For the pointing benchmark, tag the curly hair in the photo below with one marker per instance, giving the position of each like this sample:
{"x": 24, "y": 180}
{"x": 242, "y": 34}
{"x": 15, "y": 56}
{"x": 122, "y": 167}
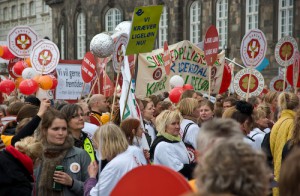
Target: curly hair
{"x": 287, "y": 101}
{"x": 232, "y": 167}
{"x": 165, "y": 118}
{"x": 30, "y": 146}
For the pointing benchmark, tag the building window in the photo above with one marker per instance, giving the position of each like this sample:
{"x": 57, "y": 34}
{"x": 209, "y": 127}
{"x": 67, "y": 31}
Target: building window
{"x": 195, "y": 12}
{"x": 62, "y": 42}
{"x": 14, "y": 13}
{"x": 222, "y": 20}
{"x": 285, "y": 20}
{"x": 5, "y": 13}
{"x": 45, "y": 7}
{"x": 163, "y": 28}
{"x": 23, "y": 10}
{"x": 81, "y": 35}
{"x": 32, "y": 8}
{"x": 112, "y": 18}
{"x": 251, "y": 14}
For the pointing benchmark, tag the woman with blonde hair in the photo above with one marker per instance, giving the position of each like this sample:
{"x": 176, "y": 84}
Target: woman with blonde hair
{"x": 168, "y": 148}
{"x": 283, "y": 129}
{"x": 112, "y": 146}
{"x": 189, "y": 129}
{"x": 16, "y": 167}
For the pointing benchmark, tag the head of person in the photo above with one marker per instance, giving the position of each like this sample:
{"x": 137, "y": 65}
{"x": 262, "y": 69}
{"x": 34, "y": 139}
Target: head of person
{"x": 266, "y": 108}
{"x": 260, "y": 119}
{"x": 288, "y": 101}
{"x": 206, "y": 110}
{"x": 53, "y": 128}
{"x": 254, "y": 100}
{"x": 33, "y": 100}
{"x": 74, "y": 115}
{"x": 14, "y": 108}
{"x": 21, "y": 124}
{"x": 27, "y": 111}
{"x": 189, "y": 107}
{"x": 271, "y": 98}
{"x": 295, "y": 140}
{"x": 148, "y": 111}
{"x": 189, "y": 94}
{"x": 132, "y": 128}
{"x": 98, "y": 103}
{"x": 30, "y": 146}
{"x": 161, "y": 106}
{"x": 2, "y": 112}
{"x": 290, "y": 174}
{"x": 110, "y": 140}
{"x": 229, "y": 102}
{"x": 242, "y": 113}
{"x": 216, "y": 130}
{"x": 232, "y": 167}
{"x": 168, "y": 121}
{"x": 85, "y": 108}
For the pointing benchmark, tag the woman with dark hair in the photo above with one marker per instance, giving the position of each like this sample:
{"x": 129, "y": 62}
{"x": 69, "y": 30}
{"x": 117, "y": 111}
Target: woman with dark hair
{"x": 74, "y": 115}
{"x": 58, "y": 150}
{"x": 206, "y": 111}
{"x": 148, "y": 117}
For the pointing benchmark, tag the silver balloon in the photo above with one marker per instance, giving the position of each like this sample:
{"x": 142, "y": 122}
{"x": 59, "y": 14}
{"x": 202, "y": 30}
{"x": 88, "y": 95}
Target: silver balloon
{"x": 124, "y": 27}
{"x": 102, "y": 45}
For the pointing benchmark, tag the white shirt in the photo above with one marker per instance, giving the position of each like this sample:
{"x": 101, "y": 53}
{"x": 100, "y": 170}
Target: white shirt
{"x": 191, "y": 134}
{"x": 89, "y": 129}
{"x": 172, "y": 155}
{"x": 138, "y": 153}
{"x": 258, "y": 136}
{"x": 151, "y": 132}
{"x": 113, "y": 172}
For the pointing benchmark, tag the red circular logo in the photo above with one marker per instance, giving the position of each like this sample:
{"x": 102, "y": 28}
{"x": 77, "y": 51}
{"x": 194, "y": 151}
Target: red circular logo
{"x": 253, "y": 48}
{"x": 286, "y": 50}
{"x": 157, "y": 74}
{"x": 244, "y": 83}
{"x": 45, "y": 57}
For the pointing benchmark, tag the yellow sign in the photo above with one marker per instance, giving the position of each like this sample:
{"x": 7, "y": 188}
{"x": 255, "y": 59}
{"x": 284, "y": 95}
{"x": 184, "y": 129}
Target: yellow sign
{"x": 144, "y": 29}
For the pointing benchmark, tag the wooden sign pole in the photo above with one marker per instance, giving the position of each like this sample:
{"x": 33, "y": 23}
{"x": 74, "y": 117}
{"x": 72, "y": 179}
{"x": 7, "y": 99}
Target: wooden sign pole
{"x": 249, "y": 79}
{"x": 284, "y": 77}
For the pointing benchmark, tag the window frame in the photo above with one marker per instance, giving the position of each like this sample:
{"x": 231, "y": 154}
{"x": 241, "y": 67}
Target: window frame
{"x": 163, "y": 28}
{"x": 253, "y": 14}
{"x": 81, "y": 35}
{"x": 196, "y": 23}
{"x": 114, "y": 13}
{"x": 288, "y": 9}
{"x": 224, "y": 20}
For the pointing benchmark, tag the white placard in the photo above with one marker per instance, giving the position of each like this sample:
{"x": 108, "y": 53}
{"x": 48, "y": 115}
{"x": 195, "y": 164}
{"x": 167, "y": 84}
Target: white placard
{"x": 70, "y": 82}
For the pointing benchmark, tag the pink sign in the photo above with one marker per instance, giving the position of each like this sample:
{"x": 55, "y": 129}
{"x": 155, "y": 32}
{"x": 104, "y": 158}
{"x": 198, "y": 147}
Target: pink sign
{"x": 167, "y": 58}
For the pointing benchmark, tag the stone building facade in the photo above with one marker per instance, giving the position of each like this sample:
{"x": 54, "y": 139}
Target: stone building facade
{"x": 179, "y": 20}
{"x": 34, "y": 13}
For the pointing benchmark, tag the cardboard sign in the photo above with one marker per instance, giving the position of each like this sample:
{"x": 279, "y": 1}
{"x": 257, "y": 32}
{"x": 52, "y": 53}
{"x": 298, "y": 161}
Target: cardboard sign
{"x": 284, "y": 51}
{"x": 118, "y": 55}
{"x": 241, "y": 79}
{"x": 144, "y": 28}
{"x": 276, "y": 84}
{"x": 44, "y": 57}
{"x": 253, "y": 48}
{"x": 167, "y": 58}
{"x": 187, "y": 61}
{"x": 88, "y": 67}
{"x": 211, "y": 45}
{"x": 21, "y": 41}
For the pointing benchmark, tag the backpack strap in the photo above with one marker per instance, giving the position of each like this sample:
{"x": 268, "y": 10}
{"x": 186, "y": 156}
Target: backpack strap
{"x": 185, "y": 130}
{"x": 252, "y": 137}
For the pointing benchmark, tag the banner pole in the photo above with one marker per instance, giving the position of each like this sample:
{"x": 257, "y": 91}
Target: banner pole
{"x": 284, "y": 77}
{"x": 249, "y": 79}
{"x": 114, "y": 99}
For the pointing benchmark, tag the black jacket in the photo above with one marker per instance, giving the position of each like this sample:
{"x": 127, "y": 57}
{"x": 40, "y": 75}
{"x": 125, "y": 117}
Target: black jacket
{"x": 15, "y": 179}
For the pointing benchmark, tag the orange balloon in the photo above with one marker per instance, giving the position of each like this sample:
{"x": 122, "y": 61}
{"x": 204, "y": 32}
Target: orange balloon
{"x": 18, "y": 81}
{"x": 45, "y": 82}
{"x": 28, "y": 62}
{"x": 1, "y": 51}
{"x": 37, "y": 78}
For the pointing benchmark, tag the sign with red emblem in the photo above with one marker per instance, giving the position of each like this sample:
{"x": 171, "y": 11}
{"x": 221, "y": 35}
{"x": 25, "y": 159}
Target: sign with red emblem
{"x": 44, "y": 57}
{"x": 241, "y": 81}
{"x": 211, "y": 45}
{"x": 118, "y": 56}
{"x": 276, "y": 84}
{"x": 88, "y": 67}
{"x": 284, "y": 51}
{"x": 253, "y": 48}
{"x": 21, "y": 40}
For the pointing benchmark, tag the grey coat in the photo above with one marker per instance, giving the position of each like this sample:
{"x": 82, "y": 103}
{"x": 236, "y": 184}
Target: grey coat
{"x": 75, "y": 155}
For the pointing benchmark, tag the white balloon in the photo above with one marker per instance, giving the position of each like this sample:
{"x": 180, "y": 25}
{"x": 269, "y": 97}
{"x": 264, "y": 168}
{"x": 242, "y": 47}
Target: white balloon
{"x": 124, "y": 27}
{"x": 176, "y": 81}
{"x": 42, "y": 94}
{"x": 29, "y": 73}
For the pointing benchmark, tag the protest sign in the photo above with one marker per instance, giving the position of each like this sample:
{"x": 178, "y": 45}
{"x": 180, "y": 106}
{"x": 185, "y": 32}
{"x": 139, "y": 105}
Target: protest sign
{"x": 144, "y": 28}
{"x": 188, "y": 62}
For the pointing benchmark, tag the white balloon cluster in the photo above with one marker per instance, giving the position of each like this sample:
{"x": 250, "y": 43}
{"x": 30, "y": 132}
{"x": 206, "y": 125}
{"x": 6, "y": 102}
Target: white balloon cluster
{"x": 29, "y": 73}
{"x": 176, "y": 81}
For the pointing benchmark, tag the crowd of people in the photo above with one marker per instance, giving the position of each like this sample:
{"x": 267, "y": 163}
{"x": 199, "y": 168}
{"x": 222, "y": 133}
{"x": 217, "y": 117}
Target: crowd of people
{"x": 229, "y": 147}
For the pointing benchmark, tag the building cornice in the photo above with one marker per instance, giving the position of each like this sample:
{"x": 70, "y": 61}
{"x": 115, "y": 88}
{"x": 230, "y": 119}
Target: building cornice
{"x": 53, "y": 2}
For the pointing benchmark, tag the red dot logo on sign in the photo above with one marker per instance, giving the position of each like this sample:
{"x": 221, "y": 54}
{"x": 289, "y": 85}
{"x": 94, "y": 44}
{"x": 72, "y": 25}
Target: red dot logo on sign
{"x": 23, "y": 41}
{"x": 45, "y": 57}
{"x": 157, "y": 74}
{"x": 213, "y": 72}
{"x": 278, "y": 85}
{"x": 286, "y": 50}
{"x": 253, "y": 48}
{"x": 244, "y": 83}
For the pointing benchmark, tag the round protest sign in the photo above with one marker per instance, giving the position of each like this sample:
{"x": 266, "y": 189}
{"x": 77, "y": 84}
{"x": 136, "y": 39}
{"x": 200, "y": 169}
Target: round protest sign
{"x": 241, "y": 79}
{"x": 253, "y": 48}
{"x": 211, "y": 45}
{"x": 88, "y": 67}
{"x": 284, "y": 50}
{"x": 118, "y": 56}
{"x": 293, "y": 72}
{"x": 21, "y": 40}
{"x": 44, "y": 57}
{"x": 276, "y": 84}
